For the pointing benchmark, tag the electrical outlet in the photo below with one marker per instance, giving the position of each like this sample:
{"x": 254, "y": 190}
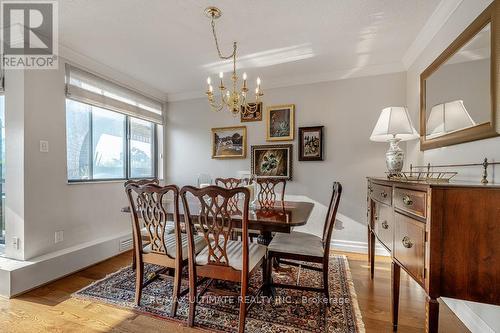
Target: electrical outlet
{"x": 58, "y": 236}
{"x": 15, "y": 243}
{"x": 44, "y": 146}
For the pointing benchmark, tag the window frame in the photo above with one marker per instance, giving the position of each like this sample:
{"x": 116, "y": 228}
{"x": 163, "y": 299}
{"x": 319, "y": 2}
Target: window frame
{"x": 126, "y": 148}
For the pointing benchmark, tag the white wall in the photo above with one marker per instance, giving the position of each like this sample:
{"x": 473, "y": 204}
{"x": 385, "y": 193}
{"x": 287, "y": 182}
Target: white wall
{"x": 35, "y": 110}
{"x": 484, "y": 318}
{"x": 348, "y": 109}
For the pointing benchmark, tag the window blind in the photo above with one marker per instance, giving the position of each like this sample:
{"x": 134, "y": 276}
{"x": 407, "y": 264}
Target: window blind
{"x": 89, "y": 88}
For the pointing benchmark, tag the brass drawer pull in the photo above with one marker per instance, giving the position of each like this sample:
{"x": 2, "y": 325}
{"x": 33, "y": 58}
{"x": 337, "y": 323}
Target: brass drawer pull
{"x": 385, "y": 225}
{"x": 383, "y": 194}
{"x": 407, "y": 242}
{"x": 406, "y": 200}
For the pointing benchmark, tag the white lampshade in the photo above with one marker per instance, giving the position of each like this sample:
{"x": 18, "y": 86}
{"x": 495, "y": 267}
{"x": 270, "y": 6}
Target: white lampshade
{"x": 394, "y": 123}
{"x": 448, "y": 117}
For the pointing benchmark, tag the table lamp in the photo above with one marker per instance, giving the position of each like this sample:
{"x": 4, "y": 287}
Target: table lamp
{"x": 394, "y": 125}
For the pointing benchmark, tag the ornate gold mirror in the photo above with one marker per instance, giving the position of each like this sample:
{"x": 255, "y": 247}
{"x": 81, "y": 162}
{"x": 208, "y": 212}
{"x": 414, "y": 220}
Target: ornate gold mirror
{"x": 458, "y": 91}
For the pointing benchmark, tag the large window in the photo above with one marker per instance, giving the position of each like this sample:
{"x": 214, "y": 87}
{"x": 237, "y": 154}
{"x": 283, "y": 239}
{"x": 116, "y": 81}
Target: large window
{"x": 112, "y": 132}
{"x": 107, "y": 145}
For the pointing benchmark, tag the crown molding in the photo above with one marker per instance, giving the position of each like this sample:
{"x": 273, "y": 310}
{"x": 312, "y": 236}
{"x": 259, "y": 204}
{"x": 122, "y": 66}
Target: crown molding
{"x": 435, "y": 22}
{"x": 291, "y": 80}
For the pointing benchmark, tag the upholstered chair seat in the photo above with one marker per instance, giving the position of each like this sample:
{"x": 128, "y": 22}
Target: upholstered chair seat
{"x": 299, "y": 243}
{"x": 171, "y": 245}
{"x": 234, "y": 251}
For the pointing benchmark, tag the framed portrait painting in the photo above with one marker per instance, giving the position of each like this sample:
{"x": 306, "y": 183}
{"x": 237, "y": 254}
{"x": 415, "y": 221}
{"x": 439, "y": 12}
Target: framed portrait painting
{"x": 272, "y": 161}
{"x": 254, "y": 113}
{"x": 280, "y": 122}
{"x": 311, "y": 143}
{"x": 229, "y": 142}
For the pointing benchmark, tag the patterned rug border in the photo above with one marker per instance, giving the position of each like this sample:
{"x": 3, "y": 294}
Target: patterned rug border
{"x": 360, "y": 326}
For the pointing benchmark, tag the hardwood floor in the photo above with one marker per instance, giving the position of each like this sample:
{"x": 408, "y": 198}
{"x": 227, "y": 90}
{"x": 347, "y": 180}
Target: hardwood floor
{"x": 51, "y": 309}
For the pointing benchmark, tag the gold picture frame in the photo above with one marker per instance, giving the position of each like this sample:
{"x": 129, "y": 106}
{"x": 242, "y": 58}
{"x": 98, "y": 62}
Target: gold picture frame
{"x": 280, "y": 122}
{"x": 225, "y": 144}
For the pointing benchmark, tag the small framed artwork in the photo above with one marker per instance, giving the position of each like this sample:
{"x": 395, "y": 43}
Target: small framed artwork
{"x": 280, "y": 122}
{"x": 272, "y": 161}
{"x": 229, "y": 142}
{"x": 254, "y": 112}
{"x": 311, "y": 143}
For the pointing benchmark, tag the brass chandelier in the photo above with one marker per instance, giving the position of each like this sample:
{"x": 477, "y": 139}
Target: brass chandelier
{"x": 234, "y": 99}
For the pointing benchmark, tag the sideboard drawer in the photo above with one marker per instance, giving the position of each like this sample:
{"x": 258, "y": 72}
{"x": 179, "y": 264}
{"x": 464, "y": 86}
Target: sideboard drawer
{"x": 413, "y": 202}
{"x": 381, "y": 193}
{"x": 409, "y": 245}
{"x": 384, "y": 226}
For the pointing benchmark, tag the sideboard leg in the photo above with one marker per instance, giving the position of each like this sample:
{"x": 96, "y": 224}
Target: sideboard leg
{"x": 371, "y": 251}
{"x": 396, "y": 270}
{"x": 431, "y": 315}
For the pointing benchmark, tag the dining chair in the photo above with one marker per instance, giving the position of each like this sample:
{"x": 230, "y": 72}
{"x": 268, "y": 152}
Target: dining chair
{"x": 266, "y": 192}
{"x": 144, "y": 232}
{"x": 169, "y": 250}
{"x": 305, "y": 247}
{"x": 230, "y": 183}
{"x": 222, "y": 258}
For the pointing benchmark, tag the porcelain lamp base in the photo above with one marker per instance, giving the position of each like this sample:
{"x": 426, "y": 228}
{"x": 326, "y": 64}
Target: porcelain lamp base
{"x": 394, "y": 157}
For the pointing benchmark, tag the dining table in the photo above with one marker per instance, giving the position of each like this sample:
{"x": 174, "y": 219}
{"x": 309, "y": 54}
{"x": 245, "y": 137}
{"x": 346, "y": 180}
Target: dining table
{"x": 282, "y": 217}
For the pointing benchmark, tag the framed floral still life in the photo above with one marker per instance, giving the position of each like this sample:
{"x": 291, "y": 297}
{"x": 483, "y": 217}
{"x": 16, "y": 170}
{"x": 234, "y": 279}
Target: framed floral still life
{"x": 280, "y": 122}
{"x": 229, "y": 142}
{"x": 252, "y": 113}
{"x": 311, "y": 143}
{"x": 272, "y": 161}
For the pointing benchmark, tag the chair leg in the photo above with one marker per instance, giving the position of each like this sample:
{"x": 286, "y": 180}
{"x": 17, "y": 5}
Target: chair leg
{"x": 243, "y": 307}
{"x": 177, "y": 289}
{"x": 139, "y": 276}
{"x": 134, "y": 260}
{"x": 192, "y": 296}
{"x": 325, "y": 284}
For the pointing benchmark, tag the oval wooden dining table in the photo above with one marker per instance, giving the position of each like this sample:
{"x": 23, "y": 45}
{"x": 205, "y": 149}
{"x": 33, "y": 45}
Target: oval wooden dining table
{"x": 283, "y": 217}
{"x": 280, "y": 218}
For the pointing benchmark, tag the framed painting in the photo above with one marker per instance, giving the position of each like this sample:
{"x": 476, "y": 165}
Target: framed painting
{"x": 280, "y": 122}
{"x": 256, "y": 115}
{"x": 229, "y": 142}
{"x": 272, "y": 161}
{"x": 311, "y": 143}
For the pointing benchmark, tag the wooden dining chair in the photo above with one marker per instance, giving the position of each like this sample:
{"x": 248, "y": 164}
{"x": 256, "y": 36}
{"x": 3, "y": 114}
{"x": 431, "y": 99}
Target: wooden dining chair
{"x": 306, "y": 248}
{"x": 144, "y": 232}
{"x": 222, "y": 258}
{"x": 169, "y": 250}
{"x": 230, "y": 183}
{"x": 266, "y": 192}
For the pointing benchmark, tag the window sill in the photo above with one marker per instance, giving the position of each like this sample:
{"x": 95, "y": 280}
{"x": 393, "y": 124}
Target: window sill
{"x": 111, "y": 181}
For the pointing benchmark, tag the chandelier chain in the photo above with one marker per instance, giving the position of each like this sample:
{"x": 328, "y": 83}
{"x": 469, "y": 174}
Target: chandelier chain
{"x": 232, "y": 55}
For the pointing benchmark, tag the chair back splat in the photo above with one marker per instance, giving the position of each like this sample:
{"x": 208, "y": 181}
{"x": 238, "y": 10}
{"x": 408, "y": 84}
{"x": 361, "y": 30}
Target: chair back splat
{"x": 215, "y": 220}
{"x": 267, "y": 194}
{"x": 148, "y": 202}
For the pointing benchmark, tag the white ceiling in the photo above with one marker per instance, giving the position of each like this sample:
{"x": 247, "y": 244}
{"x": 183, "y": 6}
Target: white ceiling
{"x": 168, "y": 44}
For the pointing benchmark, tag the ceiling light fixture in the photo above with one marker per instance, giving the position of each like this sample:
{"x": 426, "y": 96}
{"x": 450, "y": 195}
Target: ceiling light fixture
{"x": 234, "y": 99}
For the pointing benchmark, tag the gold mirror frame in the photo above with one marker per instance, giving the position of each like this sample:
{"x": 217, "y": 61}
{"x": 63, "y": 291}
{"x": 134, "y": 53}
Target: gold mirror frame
{"x": 481, "y": 131}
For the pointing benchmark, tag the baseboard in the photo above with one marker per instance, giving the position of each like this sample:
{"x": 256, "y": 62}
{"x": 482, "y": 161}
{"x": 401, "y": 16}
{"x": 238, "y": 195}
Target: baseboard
{"x": 471, "y": 320}
{"x": 22, "y": 276}
{"x": 357, "y": 247}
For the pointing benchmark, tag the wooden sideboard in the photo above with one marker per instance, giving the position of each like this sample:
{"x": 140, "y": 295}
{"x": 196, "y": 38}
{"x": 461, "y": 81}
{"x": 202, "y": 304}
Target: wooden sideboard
{"x": 446, "y": 236}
